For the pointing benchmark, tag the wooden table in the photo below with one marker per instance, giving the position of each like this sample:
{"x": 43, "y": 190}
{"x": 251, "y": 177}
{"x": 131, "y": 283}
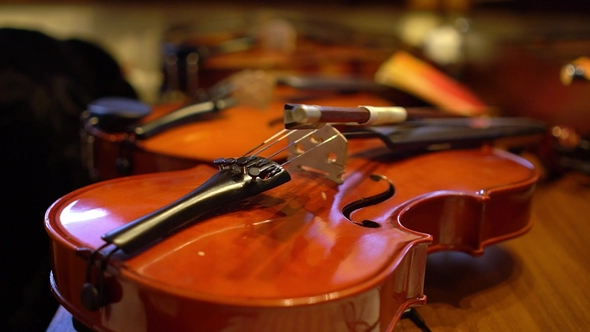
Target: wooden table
{"x": 537, "y": 282}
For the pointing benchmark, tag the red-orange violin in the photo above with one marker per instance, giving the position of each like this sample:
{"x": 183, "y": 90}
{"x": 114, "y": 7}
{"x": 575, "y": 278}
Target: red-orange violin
{"x": 334, "y": 240}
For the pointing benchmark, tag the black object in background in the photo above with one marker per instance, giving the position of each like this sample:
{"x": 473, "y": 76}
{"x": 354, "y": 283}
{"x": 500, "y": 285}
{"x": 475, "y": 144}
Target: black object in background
{"x": 45, "y": 84}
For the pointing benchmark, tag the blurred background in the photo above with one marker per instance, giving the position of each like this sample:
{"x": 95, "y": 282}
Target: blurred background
{"x": 57, "y": 56}
{"x": 466, "y": 38}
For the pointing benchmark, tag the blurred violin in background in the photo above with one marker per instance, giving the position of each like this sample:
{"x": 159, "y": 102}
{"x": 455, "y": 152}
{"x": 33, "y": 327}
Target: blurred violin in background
{"x": 125, "y": 137}
{"x": 128, "y": 137}
{"x": 313, "y": 65}
{"x": 243, "y": 68}
{"x": 199, "y": 55}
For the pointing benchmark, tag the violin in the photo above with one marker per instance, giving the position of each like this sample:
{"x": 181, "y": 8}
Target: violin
{"x": 332, "y": 238}
{"x": 110, "y": 149}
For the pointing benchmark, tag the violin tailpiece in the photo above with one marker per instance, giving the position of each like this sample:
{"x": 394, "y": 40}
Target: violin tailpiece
{"x": 237, "y": 179}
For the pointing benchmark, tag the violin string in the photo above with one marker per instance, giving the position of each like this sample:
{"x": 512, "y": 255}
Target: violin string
{"x": 292, "y": 143}
{"x": 289, "y": 133}
{"x": 311, "y": 149}
{"x": 275, "y": 140}
{"x": 266, "y": 141}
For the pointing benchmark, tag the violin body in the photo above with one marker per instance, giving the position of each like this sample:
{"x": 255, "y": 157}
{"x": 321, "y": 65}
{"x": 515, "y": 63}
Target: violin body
{"x": 290, "y": 259}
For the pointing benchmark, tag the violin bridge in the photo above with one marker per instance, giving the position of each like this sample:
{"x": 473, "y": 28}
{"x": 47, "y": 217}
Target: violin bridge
{"x": 329, "y": 156}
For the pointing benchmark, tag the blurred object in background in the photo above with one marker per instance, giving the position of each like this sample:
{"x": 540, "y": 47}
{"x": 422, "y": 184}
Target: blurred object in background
{"x": 571, "y": 152}
{"x": 523, "y": 75}
{"x": 45, "y": 84}
{"x": 512, "y": 54}
{"x": 439, "y": 31}
{"x": 577, "y": 70}
{"x": 196, "y": 56}
{"x": 408, "y": 73}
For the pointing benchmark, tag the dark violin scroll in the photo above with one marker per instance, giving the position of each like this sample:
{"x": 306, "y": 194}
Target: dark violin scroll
{"x": 237, "y": 179}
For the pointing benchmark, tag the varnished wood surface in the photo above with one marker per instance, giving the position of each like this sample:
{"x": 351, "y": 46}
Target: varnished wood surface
{"x": 537, "y": 282}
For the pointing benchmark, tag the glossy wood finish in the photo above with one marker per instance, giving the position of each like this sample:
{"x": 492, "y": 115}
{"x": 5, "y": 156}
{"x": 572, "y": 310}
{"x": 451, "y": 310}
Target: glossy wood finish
{"x": 536, "y": 282}
{"x": 290, "y": 256}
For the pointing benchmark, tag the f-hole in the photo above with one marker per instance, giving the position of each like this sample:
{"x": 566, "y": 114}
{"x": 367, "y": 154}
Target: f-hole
{"x": 367, "y": 201}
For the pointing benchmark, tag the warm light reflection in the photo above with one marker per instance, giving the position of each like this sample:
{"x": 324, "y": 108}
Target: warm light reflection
{"x": 75, "y": 212}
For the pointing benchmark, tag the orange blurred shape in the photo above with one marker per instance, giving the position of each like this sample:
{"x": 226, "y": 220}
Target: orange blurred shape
{"x": 405, "y": 72}
{"x": 578, "y": 69}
